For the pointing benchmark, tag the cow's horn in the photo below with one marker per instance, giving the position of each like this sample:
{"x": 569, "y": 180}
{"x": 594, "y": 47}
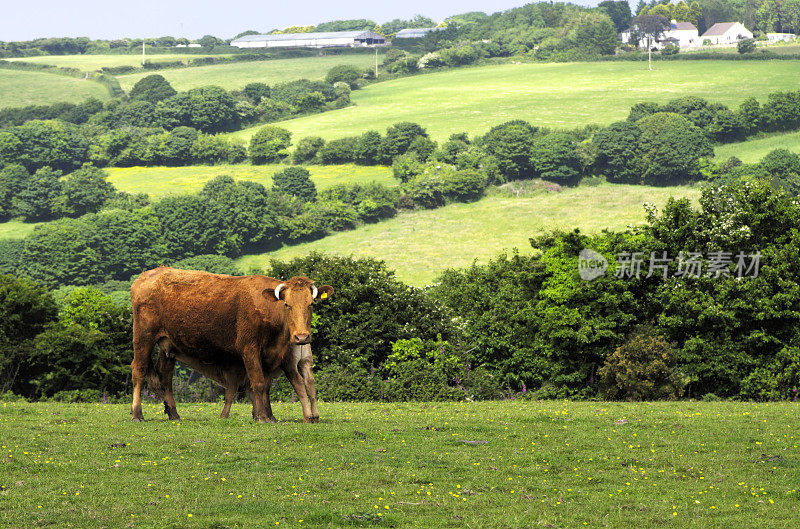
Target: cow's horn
{"x": 313, "y": 292}
{"x": 278, "y": 291}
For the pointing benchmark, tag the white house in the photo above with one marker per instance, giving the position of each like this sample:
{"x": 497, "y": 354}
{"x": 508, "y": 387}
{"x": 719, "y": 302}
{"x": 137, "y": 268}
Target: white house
{"x": 726, "y": 33}
{"x": 781, "y": 37}
{"x": 311, "y": 40}
{"x": 682, "y": 34}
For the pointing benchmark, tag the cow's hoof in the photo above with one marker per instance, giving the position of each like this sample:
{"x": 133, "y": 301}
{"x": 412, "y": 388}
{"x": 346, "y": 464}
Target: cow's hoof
{"x": 272, "y": 419}
{"x": 137, "y": 419}
{"x": 175, "y": 417}
{"x": 311, "y": 419}
{"x": 261, "y": 420}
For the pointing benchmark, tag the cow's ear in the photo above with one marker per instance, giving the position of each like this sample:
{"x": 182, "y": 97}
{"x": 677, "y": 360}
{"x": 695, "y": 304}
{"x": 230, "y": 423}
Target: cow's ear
{"x": 269, "y": 293}
{"x": 325, "y": 292}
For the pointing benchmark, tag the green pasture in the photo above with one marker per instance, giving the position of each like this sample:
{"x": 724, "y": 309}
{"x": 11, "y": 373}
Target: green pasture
{"x": 16, "y": 230}
{"x": 236, "y": 75}
{"x": 563, "y": 95}
{"x": 159, "y": 181}
{"x": 752, "y": 151}
{"x": 507, "y": 464}
{"x": 419, "y": 245}
{"x": 90, "y": 63}
{"x": 20, "y": 88}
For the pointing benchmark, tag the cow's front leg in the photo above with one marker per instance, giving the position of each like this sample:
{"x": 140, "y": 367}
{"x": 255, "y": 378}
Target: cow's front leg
{"x": 304, "y": 366}
{"x": 299, "y": 386}
{"x": 252, "y": 364}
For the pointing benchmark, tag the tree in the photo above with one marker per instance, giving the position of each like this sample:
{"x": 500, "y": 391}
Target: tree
{"x": 617, "y": 149}
{"x": 256, "y": 91}
{"x": 367, "y": 149}
{"x": 63, "y": 252}
{"x": 618, "y": 11}
{"x": 511, "y": 143}
{"x": 38, "y": 201}
{"x": 209, "y": 41}
{"x": 670, "y": 148}
{"x": 746, "y": 46}
{"x": 128, "y": 242}
{"x": 307, "y": 149}
{"x": 26, "y": 308}
{"x": 652, "y": 27}
{"x": 268, "y": 145}
{"x": 152, "y": 88}
{"x": 345, "y": 73}
{"x": 53, "y": 143}
{"x": 554, "y": 158}
{"x": 399, "y": 138}
{"x": 176, "y": 147}
{"x": 83, "y": 191}
{"x": 295, "y": 181}
{"x": 783, "y": 170}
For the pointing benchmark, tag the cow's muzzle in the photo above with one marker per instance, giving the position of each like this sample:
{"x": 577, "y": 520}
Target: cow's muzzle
{"x": 302, "y": 339}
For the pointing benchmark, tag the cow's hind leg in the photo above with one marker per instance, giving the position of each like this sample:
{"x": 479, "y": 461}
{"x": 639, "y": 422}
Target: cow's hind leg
{"x": 252, "y": 364}
{"x": 267, "y": 404}
{"x": 232, "y": 382}
{"x": 166, "y": 369}
{"x": 141, "y": 367}
{"x": 304, "y": 367}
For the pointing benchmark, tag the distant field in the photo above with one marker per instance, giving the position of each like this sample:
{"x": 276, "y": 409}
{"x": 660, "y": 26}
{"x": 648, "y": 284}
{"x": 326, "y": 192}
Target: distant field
{"x": 555, "y": 95}
{"x": 22, "y": 88}
{"x": 159, "y": 181}
{"x": 420, "y": 244}
{"x": 753, "y": 150}
{"x": 236, "y": 75}
{"x": 16, "y": 230}
{"x": 95, "y": 62}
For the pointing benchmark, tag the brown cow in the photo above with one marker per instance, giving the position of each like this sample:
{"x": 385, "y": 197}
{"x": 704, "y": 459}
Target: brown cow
{"x": 221, "y": 325}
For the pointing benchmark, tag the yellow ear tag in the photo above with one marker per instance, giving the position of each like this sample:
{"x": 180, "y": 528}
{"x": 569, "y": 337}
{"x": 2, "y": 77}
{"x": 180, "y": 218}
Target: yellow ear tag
{"x": 323, "y": 295}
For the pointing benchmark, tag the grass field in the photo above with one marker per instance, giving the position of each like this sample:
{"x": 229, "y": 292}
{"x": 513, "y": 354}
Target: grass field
{"x": 555, "y": 95}
{"x": 508, "y": 464}
{"x": 16, "y": 230}
{"x": 236, "y": 75}
{"x": 752, "y": 151}
{"x": 159, "y": 181}
{"x": 90, "y": 63}
{"x": 420, "y": 244}
{"x": 21, "y": 88}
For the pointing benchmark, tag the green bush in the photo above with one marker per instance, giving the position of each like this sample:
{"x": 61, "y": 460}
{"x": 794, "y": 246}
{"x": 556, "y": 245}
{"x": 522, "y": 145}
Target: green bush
{"x": 307, "y": 149}
{"x": 642, "y": 369}
{"x": 344, "y": 73}
{"x": 295, "y": 181}
{"x": 341, "y": 150}
{"x": 268, "y": 145}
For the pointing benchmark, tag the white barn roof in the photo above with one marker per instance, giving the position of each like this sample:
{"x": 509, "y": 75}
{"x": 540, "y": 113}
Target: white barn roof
{"x": 413, "y": 33}
{"x": 330, "y": 35}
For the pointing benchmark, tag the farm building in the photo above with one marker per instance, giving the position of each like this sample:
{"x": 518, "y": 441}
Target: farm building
{"x": 781, "y": 37}
{"x": 726, "y": 33}
{"x": 331, "y": 39}
{"x": 681, "y": 34}
{"x": 414, "y": 33}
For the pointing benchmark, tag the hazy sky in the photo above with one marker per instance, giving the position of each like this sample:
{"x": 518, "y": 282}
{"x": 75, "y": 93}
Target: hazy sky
{"x": 110, "y": 19}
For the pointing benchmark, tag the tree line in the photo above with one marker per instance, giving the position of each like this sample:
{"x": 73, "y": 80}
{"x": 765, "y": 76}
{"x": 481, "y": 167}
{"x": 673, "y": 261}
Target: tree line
{"x": 517, "y": 325}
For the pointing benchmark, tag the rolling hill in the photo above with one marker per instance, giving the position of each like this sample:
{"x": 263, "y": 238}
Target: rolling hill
{"x": 19, "y": 88}
{"x": 236, "y": 75}
{"x": 420, "y": 244}
{"x": 559, "y": 95}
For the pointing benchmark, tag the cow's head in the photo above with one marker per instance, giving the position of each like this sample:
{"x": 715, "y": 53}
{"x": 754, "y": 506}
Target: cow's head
{"x": 298, "y": 296}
